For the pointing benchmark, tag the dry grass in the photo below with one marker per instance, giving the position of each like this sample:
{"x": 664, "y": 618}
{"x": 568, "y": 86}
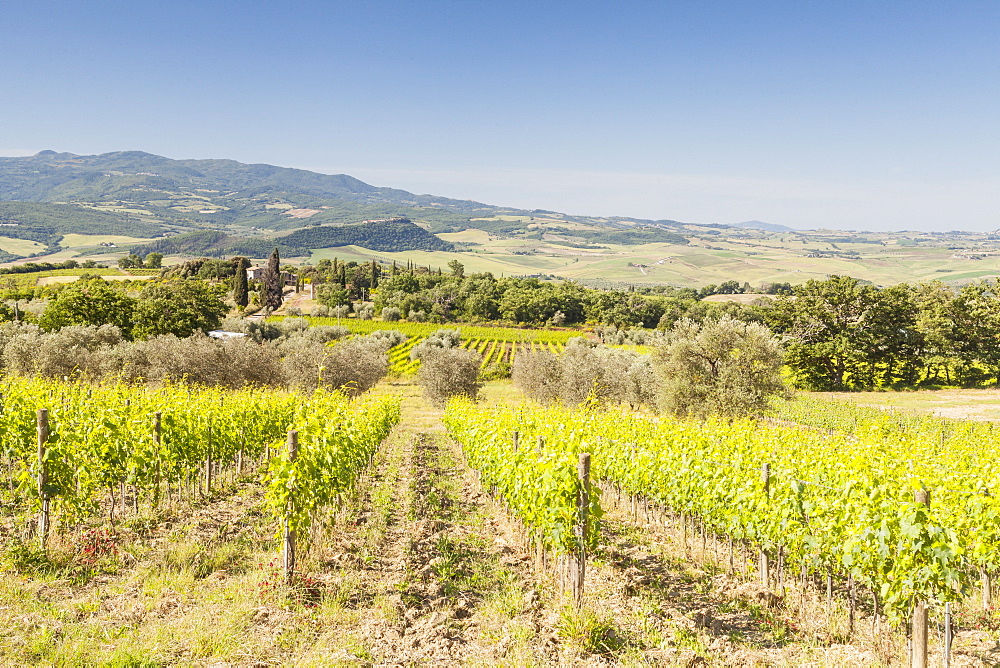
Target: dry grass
{"x": 973, "y": 404}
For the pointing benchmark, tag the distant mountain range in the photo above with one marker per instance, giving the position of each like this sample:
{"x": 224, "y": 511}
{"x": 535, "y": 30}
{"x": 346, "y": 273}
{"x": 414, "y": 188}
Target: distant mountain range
{"x": 767, "y": 227}
{"x": 253, "y": 207}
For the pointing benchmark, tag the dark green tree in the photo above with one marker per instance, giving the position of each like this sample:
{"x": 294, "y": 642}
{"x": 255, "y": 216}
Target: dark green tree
{"x": 131, "y": 261}
{"x": 178, "y": 307}
{"x": 846, "y": 334}
{"x": 241, "y": 289}
{"x": 92, "y": 301}
{"x": 272, "y": 282}
{"x": 154, "y": 260}
{"x": 332, "y": 295}
{"x": 976, "y": 311}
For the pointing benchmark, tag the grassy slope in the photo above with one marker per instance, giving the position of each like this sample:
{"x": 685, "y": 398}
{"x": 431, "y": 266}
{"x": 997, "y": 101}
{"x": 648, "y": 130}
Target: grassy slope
{"x": 694, "y": 265}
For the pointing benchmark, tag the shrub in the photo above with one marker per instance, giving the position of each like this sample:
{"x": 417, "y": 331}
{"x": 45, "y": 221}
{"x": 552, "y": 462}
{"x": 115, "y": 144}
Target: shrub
{"x": 323, "y": 333}
{"x": 290, "y": 326}
{"x": 417, "y": 316}
{"x": 442, "y": 338}
{"x": 199, "y": 359}
{"x": 353, "y": 366}
{"x": 364, "y": 312}
{"x": 634, "y": 336}
{"x": 70, "y": 351}
{"x": 449, "y": 372}
{"x": 291, "y": 355}
{"x": 341, "y": 311}
{"x": 725, "y": 367}
{"x": 586, "y": 369}
{"x": 320, "y": 311}
{"x": 391, "y": 314}
{"x": 538, "y": 375}
{"x": 390, "y": 338}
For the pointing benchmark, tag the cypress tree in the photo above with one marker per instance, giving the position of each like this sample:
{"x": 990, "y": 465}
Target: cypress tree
{"x": 241, "y": 291}
{"x": 272, "y": 281}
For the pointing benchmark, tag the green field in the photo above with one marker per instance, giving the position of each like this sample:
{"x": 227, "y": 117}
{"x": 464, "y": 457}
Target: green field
{"x": 767, "y": 260}
{"x": 20, "y": 246}
{"x": 89, "y": 240}
{"x": 978, "y": 404}
{"x": 54, "y": 276}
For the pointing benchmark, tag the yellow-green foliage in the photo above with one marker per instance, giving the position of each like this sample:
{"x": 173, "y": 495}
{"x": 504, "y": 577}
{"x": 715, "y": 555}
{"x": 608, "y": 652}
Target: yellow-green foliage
{"x": 102, "y": 435}
{"x": 509, "y": 334}
{"x": 832, "y": 501}
{"x": 538, "y": 480}
{"x": 337, "y": 439}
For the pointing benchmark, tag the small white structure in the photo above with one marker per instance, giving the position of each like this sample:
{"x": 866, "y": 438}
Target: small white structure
{"x": 222, "y": 334}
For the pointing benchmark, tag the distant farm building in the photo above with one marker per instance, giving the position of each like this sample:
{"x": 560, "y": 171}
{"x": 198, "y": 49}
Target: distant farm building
{"x": 257, "y": 273}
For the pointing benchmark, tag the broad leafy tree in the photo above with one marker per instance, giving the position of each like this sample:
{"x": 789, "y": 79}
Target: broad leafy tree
{"x": 178, "y": 307}
{"x": 92, "y": 301}
{"x": 846, "y": 334}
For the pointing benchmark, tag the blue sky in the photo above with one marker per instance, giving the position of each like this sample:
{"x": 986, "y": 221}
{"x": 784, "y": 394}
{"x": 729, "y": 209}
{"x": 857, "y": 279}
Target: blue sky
{"x": 865, "y": 115}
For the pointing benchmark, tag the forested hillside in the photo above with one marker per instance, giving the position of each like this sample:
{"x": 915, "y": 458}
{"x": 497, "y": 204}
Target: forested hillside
{"x": 383, "y": 235}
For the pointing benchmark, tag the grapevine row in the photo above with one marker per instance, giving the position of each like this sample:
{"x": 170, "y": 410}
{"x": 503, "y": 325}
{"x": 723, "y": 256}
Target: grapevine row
{"x": 67, "y": 447}
{"x": 828, "y": 503}
{"x": 411, "y": 329}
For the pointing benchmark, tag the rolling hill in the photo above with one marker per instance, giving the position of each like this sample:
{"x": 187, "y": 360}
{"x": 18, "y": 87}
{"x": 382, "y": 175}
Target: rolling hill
{"x": 59, "y": 206}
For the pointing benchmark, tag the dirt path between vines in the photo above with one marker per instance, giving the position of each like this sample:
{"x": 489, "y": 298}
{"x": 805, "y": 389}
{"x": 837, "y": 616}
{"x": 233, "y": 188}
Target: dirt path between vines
{"x": 436, "y": 581}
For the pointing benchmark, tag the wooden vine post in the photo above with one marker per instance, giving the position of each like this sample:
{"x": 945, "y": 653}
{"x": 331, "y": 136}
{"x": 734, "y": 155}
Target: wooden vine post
{"x": 208, "y": 462}
{"x": 765, "y": 478}
{"x": 43, "y": 477}
{"x": 583, "y": 509}
{"x": 293, "y": 451}
{"x": 919, "y": 634}
{"x": 157, "y": 429}
{"x": 985, "y": 579}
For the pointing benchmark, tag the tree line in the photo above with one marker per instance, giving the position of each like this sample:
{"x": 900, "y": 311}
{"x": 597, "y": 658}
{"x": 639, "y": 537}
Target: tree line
{"x": 840, "y": 333}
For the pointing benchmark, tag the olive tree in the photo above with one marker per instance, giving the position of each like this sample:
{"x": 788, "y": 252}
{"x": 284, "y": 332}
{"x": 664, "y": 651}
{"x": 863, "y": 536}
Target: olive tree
{"x": 449, "y": 372}
{"x": 725, "y": 367}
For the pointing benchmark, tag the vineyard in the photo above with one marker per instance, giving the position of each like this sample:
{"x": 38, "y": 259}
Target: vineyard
{"x": 74, "y": 453}
{"x": 900, "y": 511}
{"x": 423, "y": 329}
{"x": 496, "y": 532}
{"x": 497, "y": 345}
